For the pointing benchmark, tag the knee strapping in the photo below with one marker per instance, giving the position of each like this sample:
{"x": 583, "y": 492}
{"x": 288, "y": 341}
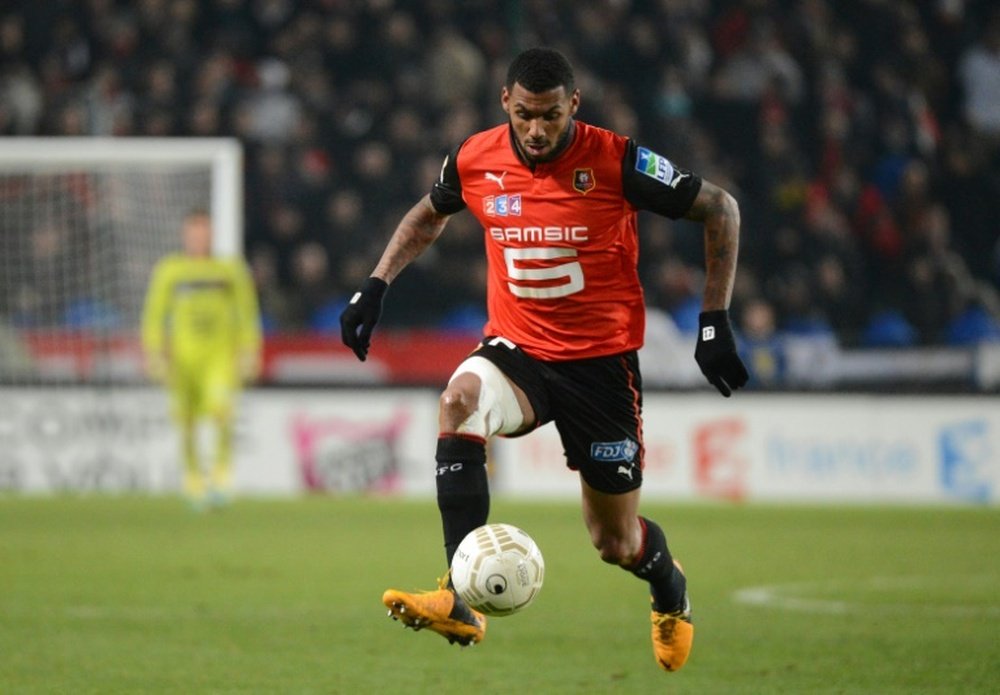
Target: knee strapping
{"x": 497, "y": 411}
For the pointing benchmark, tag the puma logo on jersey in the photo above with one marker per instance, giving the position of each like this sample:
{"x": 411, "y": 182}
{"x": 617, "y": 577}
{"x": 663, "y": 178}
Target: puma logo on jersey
{"x": 498, "y": 180}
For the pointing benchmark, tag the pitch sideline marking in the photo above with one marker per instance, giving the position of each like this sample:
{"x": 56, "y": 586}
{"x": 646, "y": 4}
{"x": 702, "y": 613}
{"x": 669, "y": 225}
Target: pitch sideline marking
{"x": 789, "y": 597}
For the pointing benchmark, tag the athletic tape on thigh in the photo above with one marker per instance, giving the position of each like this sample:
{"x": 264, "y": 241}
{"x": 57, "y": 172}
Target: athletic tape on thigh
{"x": 497, "y": 411}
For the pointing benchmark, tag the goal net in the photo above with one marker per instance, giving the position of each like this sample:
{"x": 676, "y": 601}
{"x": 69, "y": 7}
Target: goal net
{"x": 82, "y": 222}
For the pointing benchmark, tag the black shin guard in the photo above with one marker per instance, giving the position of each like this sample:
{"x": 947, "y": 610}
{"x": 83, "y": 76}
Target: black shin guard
{"x": 463, "y": 492}
{"x": 656, "y": 566}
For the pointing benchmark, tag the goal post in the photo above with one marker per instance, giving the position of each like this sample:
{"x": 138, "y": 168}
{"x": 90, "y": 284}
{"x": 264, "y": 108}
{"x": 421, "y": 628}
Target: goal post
{"x": 82, "y": 222}
{"x": 223, "y": 156}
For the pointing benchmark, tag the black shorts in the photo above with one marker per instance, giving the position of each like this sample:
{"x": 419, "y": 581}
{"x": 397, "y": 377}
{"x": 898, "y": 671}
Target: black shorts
{"x": 596, "y": 405}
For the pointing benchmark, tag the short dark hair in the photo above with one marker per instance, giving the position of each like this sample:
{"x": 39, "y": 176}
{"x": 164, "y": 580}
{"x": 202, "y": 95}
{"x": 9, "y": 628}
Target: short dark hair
{"x": 540, "y": 70}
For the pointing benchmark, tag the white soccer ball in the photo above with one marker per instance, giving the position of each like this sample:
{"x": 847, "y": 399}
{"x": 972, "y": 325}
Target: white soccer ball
{"x": 498, "y": 569}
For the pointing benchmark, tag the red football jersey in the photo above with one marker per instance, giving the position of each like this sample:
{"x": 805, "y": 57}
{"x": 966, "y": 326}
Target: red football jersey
{"x": 561, "y": 243}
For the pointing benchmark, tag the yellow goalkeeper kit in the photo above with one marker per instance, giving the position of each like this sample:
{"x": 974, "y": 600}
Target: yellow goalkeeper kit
{"x": 201, "y": 331}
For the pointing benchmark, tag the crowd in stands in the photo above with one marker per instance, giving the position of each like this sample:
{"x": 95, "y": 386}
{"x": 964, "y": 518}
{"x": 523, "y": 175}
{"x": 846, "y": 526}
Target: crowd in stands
{"x": 861, "y": 138}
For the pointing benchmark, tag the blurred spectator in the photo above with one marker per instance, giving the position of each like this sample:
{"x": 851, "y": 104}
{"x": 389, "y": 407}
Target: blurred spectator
{"x": 838, "y": 296}
{"x": 271, "y": 111}
{"x": 666, "y": 354}
{"x": 979, "y": 72}
{"x": 677, "y": 289}
{"x": 977, "y": 321}
{"x": 794, "y": 297}
{"x": 109, "y": 106}
{"x": 888, "y": 328}
{"x": 39, "y": 288}
{"x": 456, "y": 69}
{"x": 760, "y": 345}
{"x": 760, "y": 67}
{"x": 316, "y": 302}
{"x": 20, "y": 99}
{"x": 937, "y": 281}
{"x": 276, "y": 310}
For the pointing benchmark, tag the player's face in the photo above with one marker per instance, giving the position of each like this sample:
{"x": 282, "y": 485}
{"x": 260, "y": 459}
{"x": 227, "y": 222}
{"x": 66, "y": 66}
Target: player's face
{"x": 540, "y": 120}
{"x": 198, "y": 236}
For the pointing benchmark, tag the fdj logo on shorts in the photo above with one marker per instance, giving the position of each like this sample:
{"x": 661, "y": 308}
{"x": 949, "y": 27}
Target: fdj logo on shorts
{"x": 625, "y": 450}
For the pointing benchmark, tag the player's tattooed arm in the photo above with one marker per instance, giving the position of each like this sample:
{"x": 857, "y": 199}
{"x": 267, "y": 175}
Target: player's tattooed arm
{"x": 719, "y": 213}
{"x": 418, "y": 229}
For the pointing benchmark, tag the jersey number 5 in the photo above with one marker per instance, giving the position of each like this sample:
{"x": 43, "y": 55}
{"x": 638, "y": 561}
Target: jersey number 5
{"x": 570, "y": 271}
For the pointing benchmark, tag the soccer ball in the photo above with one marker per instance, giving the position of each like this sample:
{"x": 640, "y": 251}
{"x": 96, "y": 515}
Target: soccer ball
{"x": 497, "y": 569}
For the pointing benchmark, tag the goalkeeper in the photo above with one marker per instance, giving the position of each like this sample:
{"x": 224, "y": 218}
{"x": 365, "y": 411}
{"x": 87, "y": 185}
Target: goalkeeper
{"x": 201, "y": 338}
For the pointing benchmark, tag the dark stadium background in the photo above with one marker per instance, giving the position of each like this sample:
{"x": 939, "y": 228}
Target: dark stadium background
{"x": 860, "y": 137}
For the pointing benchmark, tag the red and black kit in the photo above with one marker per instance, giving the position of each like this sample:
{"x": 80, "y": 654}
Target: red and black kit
{"x": 562, "y": 252}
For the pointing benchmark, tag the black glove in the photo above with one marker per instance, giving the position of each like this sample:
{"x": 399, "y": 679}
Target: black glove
{"x": 716, "y": 353}
{"x": 363, "y": 310}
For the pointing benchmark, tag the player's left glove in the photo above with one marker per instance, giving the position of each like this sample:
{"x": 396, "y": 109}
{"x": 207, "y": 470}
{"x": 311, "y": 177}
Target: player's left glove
{"x": 359, "y": 318}
{"x": 716, "y": 353}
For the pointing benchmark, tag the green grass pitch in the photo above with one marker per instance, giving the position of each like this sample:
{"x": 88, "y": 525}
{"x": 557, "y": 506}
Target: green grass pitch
{"x": 140, "y": 595}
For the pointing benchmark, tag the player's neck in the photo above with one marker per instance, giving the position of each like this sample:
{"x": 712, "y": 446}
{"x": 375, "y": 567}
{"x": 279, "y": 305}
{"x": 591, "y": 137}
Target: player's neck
{"x": 565, "y": 140}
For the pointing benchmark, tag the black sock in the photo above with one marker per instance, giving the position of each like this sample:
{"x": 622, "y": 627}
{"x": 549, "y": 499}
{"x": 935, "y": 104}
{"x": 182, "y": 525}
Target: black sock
{"x": 656, "y": 566}
{"x": 463, "y": 491}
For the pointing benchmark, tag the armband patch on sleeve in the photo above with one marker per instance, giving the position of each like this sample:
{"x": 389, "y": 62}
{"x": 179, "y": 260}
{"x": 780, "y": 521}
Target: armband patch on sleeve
{"x": 657, "y": 167}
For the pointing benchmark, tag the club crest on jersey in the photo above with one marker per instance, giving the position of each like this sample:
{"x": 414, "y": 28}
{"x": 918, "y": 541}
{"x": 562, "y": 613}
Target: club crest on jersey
{"x": 584, "y": 181}
{"x": 504, "y": 205}
{"x": 657, "y": 167}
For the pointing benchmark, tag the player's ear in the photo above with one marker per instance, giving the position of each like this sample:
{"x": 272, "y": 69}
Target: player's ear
{"x": 505, "y": 99}
{"x": 574, "y": 102}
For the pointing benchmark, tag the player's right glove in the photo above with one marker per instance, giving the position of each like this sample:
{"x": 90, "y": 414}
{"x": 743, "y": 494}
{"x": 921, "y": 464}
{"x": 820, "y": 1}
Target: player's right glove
{"x": 362, "y": 313}
{"x": 716, "y": 353}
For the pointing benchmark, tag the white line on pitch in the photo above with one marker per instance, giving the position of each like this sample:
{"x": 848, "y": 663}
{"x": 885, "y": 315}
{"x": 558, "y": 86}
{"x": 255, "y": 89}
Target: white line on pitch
{"x": 795, "y": 596}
